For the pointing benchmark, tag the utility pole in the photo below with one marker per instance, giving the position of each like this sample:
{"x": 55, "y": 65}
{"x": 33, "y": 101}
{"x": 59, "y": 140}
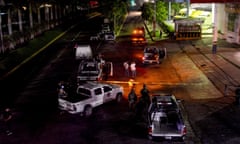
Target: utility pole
{"x": 169, "y": 10}
{"x": 188, "y": 6}
{"x": 215, "y": 33}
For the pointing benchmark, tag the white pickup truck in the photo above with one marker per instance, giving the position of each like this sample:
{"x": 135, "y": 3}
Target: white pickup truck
{"x": 90, "y": 95}
{"x": 92, "y": 70}
{"x": 165, "y": 119}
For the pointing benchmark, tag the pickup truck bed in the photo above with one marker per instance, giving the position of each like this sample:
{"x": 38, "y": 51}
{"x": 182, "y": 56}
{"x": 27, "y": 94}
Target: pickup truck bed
{"x": 75, "y": 98}
{"x": 167, "y": 126}
{"x": 163, "y": 129}
{"x": 165, "y": 119}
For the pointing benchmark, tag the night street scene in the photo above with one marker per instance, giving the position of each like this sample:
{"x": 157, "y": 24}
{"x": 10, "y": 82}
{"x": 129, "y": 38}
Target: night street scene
{"x": 120, "y": 72}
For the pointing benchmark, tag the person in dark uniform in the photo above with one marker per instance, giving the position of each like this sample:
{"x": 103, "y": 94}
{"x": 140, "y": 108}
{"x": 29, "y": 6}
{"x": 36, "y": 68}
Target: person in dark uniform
{"x": 132, "y": 99}
{"x": 237, "y": 93}
{"x": 145, "y": 95}
{"x": 105, "y": 70}
{"x": 160, "y": 34}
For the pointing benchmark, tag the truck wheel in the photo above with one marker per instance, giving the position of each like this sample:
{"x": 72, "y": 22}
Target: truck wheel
{"x": 150, "y": 137}
{"x": 88, "y": 111}
{"x": 119, "y": 97}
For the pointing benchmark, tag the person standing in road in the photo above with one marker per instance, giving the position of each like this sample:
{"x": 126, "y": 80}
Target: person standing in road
{"x": 126, "y": 68}
{"x": 145, "y": 95}
{"x": 132, "y": 99}
{"x": 133, "y": 69}
{"x": 7, "y": 117}
{"x": 237, "y": 92}
{"x": 105, "y": 71}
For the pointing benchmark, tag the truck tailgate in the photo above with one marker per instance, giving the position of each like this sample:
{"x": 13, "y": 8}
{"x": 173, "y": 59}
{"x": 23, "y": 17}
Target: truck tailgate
{"x": 167, "y": 131}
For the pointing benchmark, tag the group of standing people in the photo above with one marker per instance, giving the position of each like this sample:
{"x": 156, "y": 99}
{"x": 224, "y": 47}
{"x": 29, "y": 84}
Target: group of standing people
{"x": 130, "y": 67}
{"x": 140, "y": 106}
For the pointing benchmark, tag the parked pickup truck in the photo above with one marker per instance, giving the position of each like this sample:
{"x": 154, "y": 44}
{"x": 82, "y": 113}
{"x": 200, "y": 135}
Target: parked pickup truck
{"x": 90, "y": 95}
{"x": 93, "y": 70}
{"x": 165, "y": 119}
{"x": 152, "y": 54}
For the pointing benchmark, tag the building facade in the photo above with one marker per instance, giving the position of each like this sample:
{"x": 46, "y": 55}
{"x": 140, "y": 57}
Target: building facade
{"x": 232, "y": 22}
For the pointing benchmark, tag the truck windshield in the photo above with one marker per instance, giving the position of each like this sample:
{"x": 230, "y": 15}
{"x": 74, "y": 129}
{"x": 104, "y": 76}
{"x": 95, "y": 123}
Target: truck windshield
{"x": 89, "y": 67}
{"x": 84, "y": 92}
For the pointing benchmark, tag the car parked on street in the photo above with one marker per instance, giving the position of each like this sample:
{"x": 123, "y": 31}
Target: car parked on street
{"x": 138, "y": 36}
{"x": 153, "y": 54}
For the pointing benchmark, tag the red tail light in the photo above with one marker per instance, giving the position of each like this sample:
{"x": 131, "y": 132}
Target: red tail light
{"x": 150, "y": 130}
{"x": 135, "y": 32}
{"x": 184, "y": 130}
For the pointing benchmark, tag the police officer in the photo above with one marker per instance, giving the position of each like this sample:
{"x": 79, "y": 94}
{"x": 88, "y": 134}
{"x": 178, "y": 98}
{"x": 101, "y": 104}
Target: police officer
{"x": 132, "y": 99}
{"x": 145, "y": 95}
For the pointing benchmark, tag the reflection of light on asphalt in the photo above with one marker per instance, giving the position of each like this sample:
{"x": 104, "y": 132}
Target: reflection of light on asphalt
{"x": 135, "y": 13}
{"x": 237, "y": 56}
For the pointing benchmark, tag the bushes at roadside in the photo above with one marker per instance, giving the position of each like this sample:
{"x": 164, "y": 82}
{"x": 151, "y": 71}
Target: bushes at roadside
{"x": 166, "y": 27}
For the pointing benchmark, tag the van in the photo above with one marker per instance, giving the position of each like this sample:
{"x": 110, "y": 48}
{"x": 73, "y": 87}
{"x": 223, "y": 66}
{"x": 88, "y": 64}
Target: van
{"x": 83, "y": 52}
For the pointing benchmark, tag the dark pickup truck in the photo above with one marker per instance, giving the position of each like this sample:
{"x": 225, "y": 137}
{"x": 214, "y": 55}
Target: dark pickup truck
{"x": 165, "y": 119}
{"x": 152, "y": 54}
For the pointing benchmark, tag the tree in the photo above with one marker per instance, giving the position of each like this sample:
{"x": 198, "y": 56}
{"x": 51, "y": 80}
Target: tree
{"x": 161, "y": 11}
{"x": 148, "y": 12}
{"x": 116, "y": 11}
{"x": 176, "y": 8}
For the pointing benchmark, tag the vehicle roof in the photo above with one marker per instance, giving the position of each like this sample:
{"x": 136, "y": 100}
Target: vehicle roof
{"x": 91, "y": 63}
{"x": 151, "y": 47}
{"x": 164, "y": 98}
{"x": 92, "y": 84}
{"x": 165, "y": 102}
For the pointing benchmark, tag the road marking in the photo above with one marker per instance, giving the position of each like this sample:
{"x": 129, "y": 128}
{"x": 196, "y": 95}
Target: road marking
{"x": 156, "y": 83}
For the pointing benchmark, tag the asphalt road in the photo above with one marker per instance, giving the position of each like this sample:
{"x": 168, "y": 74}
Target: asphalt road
{"x": 37, "y": 119}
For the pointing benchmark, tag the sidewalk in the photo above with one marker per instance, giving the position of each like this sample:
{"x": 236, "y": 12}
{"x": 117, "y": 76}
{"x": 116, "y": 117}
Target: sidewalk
{"x": 227, "y": 59}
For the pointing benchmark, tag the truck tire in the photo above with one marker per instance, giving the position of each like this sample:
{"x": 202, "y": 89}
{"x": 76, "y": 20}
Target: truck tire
{"x": 150, "y": 137}
{"x": 119, "y": 97}
{"x": 88, "y": 111}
